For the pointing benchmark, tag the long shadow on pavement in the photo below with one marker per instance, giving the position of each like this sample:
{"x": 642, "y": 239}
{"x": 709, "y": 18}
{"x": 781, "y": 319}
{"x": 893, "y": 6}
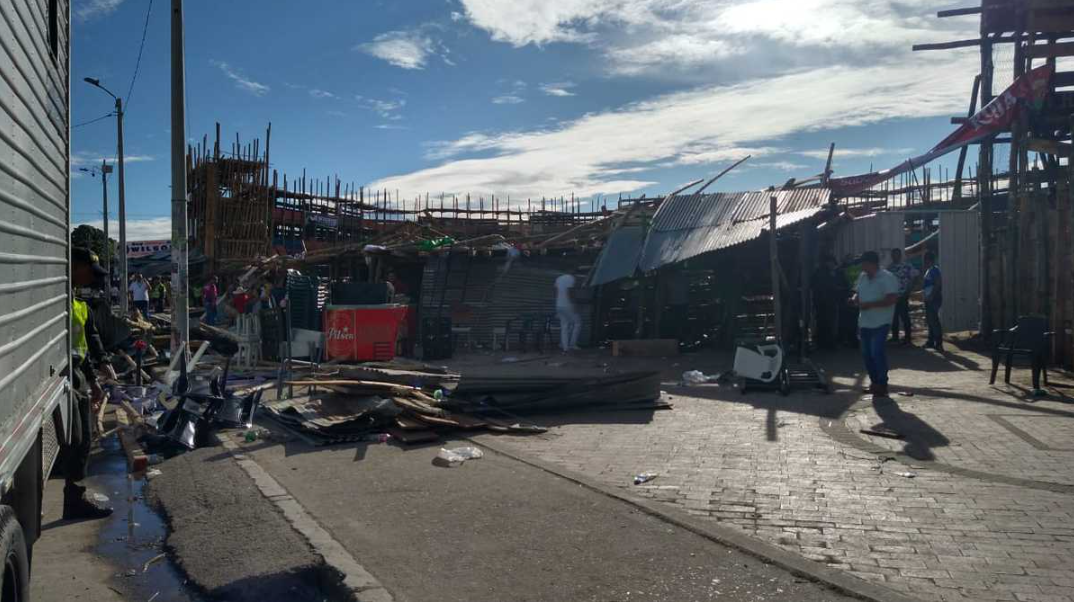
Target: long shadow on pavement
{"x": 920, "y": 437}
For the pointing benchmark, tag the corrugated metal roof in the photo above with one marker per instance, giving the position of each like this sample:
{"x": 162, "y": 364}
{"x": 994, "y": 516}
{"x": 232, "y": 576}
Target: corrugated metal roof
{"x": 687, "y": 226}
{"x": 619, "y": 257}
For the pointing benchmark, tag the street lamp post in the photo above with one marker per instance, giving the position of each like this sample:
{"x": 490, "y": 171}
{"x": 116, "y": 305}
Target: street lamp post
{"x": 124, "y": 307}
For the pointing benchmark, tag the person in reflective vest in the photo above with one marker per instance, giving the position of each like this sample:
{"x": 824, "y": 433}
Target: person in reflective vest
{"x": 87, "y": 354}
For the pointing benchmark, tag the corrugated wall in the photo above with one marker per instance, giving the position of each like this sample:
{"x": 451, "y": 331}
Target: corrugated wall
{"x": 34, "y": 220}
{"x": 481, "y": 295}
{"x": 880, "y": 232}
{"x": 959, "y": 261}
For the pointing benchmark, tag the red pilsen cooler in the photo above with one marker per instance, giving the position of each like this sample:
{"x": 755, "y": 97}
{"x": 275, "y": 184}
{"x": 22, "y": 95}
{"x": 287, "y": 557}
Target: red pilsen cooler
{"x": 362, "y": 332}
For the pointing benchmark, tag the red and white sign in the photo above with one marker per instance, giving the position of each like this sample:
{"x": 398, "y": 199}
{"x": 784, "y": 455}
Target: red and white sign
{"x": 993, "y": 118}
{"x": 143, "y": 248}
{"x": 339, "y": 333}
{"x": 362, "y": 333}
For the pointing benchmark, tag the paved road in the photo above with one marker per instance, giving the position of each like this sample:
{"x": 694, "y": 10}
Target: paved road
{"x": 976, "y": 505}
{"x": 496, "y": 529}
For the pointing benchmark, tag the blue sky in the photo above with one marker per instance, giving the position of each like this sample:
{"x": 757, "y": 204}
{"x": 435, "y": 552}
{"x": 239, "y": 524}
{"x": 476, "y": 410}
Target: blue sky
{"x": 526, "y": 98}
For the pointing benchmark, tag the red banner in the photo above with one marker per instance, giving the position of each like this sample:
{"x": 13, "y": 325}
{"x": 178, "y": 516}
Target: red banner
{"x": 993, "y": 118}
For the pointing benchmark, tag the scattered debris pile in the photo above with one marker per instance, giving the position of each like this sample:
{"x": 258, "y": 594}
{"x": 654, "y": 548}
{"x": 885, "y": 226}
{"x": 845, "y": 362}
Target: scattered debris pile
{"x": 415, "y": 403}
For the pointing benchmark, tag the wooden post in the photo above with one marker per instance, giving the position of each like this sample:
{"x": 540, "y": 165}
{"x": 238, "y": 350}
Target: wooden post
{"x": 984, "y": 194}
{"x": 1012, "y": 254}
{"x": 773, "y": 258}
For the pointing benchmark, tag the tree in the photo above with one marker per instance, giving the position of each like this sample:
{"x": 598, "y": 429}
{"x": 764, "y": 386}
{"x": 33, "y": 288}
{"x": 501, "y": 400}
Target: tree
{"x": 93, "y": 239}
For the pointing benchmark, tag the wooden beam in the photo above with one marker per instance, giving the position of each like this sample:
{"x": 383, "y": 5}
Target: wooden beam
{"x": 1050, "y": 147}
{"x": 958, "y": 12}
{"x": 947, "y": 45}
{"x": 1043, "y": 51}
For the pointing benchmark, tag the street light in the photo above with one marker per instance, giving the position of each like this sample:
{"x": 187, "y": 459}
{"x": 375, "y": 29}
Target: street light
{"x": 104, "y": 170}
{"x": 124, "y": 307}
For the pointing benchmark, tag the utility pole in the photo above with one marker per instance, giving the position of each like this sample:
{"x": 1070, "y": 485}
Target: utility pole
{"x": 123, "y": 306}
{"x": 105, "y": 170}
{"x": 180, "y": 238}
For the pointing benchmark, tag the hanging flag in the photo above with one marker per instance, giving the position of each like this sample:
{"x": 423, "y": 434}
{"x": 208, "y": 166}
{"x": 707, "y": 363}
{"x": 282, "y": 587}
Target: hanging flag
{"x": 993, "y": 118}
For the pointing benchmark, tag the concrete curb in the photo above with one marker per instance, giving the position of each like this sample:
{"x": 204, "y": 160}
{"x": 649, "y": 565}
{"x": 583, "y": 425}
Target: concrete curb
{"x": 347, "y": 579}
{"x": 802, "y": 567}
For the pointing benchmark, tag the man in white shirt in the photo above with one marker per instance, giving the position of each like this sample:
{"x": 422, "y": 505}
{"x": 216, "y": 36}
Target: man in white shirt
{"x": 876, "y": 294}
{"x": 570, "y": 323}
{"x": 140, "y": 294}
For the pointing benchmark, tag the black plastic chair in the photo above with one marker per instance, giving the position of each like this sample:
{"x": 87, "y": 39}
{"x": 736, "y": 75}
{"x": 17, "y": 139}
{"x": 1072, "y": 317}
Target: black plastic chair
{"x": 1030, "y": 338}
{"x": 533, "y": 328}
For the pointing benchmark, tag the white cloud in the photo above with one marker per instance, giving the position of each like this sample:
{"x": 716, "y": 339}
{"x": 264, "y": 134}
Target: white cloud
{"x": 241, "y": 81}
{"x": 387, "y": 109}
{"x": 507, "y": 99}
{"x": 522, "y": 22}
{"x": 712, "y": 123}
{"x": 781, "y": 166}
{"x": 154, "y": 228}
{"x": 84, "y": 10}
{"x": 318, "y": 93}
{"x": 857, "y": 152}
{"x": 87, "y": 159}
{"x": 404, "y": 49}
{"x": 650, "y": 36}
{"x": 558, "y": 89}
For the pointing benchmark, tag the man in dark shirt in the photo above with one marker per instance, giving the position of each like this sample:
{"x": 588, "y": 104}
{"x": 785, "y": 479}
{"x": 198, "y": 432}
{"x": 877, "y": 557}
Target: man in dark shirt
{"x": 826, "y": 301}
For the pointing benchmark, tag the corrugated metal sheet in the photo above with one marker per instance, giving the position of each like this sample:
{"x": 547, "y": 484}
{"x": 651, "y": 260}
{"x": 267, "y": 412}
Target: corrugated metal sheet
{"x": 619, "y": 257}
{"x": 959, "y": 262}
{"x": 34, "y": 201}
{"x": 880, "y": 232}
{"x": 687, "y": 226}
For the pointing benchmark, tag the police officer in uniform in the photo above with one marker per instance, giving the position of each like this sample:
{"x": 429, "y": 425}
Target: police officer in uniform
{"x": 87, "y": 354}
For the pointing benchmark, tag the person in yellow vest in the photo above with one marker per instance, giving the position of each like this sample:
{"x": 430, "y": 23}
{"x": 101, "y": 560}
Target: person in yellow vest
{"x": 87, "y": 354}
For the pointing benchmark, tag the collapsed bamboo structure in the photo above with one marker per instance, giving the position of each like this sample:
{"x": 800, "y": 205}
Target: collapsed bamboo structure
{"x": 1026, "y": 228}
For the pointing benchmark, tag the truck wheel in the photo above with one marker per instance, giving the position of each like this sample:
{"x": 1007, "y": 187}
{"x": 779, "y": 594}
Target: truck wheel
{"x": 15, "y": 579}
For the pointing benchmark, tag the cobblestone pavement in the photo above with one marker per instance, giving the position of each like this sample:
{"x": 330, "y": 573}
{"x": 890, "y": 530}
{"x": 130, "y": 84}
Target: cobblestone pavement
{"x": 976, "y": 502}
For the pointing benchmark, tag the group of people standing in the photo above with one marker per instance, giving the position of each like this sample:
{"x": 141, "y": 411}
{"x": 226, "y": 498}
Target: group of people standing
{"x": 146, "y": 294}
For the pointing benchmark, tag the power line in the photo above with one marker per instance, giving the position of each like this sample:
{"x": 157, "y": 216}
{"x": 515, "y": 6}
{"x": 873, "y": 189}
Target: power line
{"x": 105, "y": 116}
{"x": 138, "y": 62}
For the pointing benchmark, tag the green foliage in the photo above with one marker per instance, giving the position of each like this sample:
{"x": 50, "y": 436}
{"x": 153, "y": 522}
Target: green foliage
{"x": 93, "y": 239}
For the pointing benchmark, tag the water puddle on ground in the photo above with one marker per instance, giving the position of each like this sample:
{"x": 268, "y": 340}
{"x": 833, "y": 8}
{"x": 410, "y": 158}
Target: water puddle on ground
{"x": 132, "y": 541}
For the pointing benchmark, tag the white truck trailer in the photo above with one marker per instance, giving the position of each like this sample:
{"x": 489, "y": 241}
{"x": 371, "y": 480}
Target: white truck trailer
{"x": 35, "y": 292}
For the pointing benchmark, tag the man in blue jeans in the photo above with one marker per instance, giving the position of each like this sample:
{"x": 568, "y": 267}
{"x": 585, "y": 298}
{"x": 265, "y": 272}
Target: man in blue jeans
{"x": 876, "y": 294}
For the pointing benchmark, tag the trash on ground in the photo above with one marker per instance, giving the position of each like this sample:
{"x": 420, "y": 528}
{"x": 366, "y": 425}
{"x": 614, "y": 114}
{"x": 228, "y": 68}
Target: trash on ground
{"x": 456, "y": 456}
{"x": 908, "y": 475}
{"x": 694, "y": 377}
{"x": 880, "y": 431}
{"x": 152, "y": 561}
{"x": 644, "y": 477}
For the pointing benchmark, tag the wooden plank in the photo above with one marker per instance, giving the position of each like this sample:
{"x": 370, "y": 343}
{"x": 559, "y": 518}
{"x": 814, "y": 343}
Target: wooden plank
{"x": 958, "y": 12}
{"x": 645, "y": 347}
{"x": 1050, "y": 21}
{"x": 1051, "y": 147}
{"x": 1043, "y": 51}
{"x": 947, "y": 45}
